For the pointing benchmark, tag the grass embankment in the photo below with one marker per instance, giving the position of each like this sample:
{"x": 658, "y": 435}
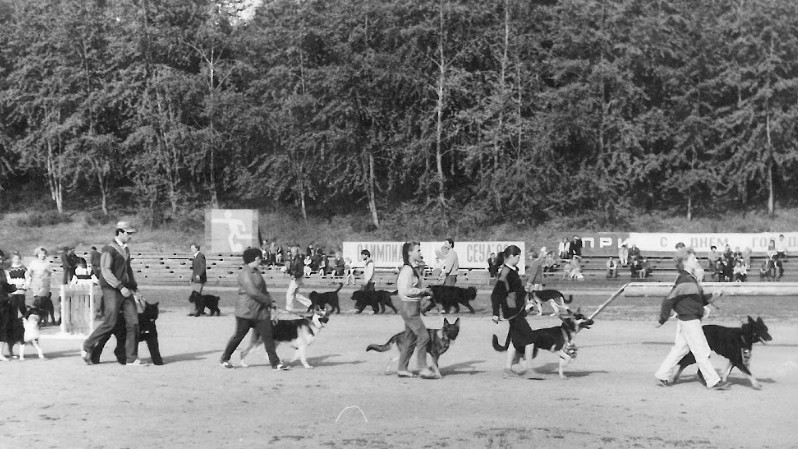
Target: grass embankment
{"x": 82, "y": 231}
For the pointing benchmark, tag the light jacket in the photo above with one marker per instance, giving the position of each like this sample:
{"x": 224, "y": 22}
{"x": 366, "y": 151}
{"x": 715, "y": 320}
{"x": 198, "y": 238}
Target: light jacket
{"x": 408, "y": 284}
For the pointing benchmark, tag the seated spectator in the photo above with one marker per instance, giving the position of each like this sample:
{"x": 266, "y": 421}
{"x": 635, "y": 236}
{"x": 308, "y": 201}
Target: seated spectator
{"x": 339, "y": 265}
{"x": 634, "y": 251}
{"x": 747, "y": 258}
{"x": 635, "y": 266}
{"x": 781, "y": 247}
{"x": 562, "y": 249}
{"x": 623, "y": 255}
{"x": 550, "y": 263}
{"x": 612, "y": 268}
{"x": 740, "y": 272}
{"x": 767, "y": 271}
{"x": 83, "y": 275}
{"x": 645, "y": 268}
{"x": 717, "y": 271}
{"x": 308, "y": 270}
{"x": 493, "y": 265}
{"x": 575, "y": 268}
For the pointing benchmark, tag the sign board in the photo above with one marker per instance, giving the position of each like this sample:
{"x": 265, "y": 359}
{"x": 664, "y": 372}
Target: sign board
{"x": 607, "y": 243}
{"x": 231, "y": 231}
{"x": 389, "y": 254}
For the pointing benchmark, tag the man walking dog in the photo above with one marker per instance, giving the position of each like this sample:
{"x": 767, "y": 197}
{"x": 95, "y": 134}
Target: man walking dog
{"x": 296, "y": 269}
{"x": 451, "y": 264}
{"x": 687, "y": 300}
{"x": 118, "y": 284}
{"x": 368, "y": 271}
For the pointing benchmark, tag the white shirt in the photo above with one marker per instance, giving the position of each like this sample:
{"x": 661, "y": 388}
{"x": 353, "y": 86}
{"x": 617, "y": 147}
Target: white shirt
{"x": 368, "y": 271}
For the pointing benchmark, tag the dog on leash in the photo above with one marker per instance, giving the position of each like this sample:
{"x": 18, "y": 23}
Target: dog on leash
{"x": 201, "y": 301}
{"x": 32, "y": 324}
{"x": 298, "y": 333}
{"x": 555, "y": 299}
{"x": 734, "y": 343}
{"x": 451, "y": 297}
{"x": 148, "y": 332}
{"x": 322, "y": 300}
{"x": 557, "y": 339}
{"x": 46, "y": 309}
{"x": 377, "y": 299}
{"x": 439, "y": 342}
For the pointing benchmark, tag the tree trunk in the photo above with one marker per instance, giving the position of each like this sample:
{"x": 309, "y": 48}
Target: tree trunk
{"x": 771, "y": 191}
{"x": 372, "y": 195}
{"x": 439, "y": 113}
{"x": 103, "y": 192}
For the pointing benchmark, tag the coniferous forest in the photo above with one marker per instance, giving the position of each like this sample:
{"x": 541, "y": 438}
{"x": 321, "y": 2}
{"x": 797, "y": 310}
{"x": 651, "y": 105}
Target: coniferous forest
{"x": 459, "y": 109}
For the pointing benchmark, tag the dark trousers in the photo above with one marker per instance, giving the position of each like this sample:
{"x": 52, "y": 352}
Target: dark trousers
{"x": 263, "y": 328}
{"x": 113, "y": 302}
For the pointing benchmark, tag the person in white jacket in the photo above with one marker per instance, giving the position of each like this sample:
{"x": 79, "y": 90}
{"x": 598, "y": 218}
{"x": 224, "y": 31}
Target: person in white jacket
{"x": 368, "y": 271}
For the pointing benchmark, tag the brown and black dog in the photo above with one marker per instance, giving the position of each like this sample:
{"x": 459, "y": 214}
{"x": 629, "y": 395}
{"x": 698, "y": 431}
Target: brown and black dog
{"x": 554, "y": 339}
{"x": 734, "y": 343}
{"x": 439, "y": 342}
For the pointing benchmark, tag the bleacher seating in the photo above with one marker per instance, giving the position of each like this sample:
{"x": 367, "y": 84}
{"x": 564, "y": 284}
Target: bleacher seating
{"x": 175, "y": 269}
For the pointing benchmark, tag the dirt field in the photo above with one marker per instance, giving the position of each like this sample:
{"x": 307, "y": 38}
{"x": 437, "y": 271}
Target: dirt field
{"x": 609, "y": 401}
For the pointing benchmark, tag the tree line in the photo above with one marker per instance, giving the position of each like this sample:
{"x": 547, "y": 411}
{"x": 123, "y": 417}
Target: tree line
{"x": 507, "y": 109}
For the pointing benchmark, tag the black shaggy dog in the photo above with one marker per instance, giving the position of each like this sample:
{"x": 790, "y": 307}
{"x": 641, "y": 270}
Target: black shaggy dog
{"x": 377, "y": 300}
{"x": 147, "y": 332}
{"x": 202, "y": 301}
{"x": 451, "y": 297}
{"x": 45, "y": 305}
{"x": 321, "y": 300}
{"x": 734, "y": 343}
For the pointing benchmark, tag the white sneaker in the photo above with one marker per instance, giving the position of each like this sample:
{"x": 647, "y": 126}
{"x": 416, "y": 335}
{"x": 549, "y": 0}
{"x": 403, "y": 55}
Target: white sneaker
{"x": 136, "y": 362}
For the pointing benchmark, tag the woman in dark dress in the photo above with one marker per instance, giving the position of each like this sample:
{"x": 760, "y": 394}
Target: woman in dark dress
{"x": 15, "y": 274}
{"x": 5, "y": 307}
{"x": 509, "y": 300}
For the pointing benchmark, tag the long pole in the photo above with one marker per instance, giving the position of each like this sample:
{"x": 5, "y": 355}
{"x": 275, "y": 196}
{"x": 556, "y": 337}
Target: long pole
{"x": 607, "y": 302}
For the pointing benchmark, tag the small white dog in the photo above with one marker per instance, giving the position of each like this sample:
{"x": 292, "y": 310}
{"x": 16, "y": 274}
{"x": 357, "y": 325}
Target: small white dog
{"x": 32, "y": 326}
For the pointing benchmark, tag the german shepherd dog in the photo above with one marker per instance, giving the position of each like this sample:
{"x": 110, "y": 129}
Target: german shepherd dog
{"x": 733, "y": 343}
{"x": 298, "y": 333}
{"x": 439, "y": 342}
{"x": 321, "y": 300}
{"x": 555, "y": 299}
{"x": 554, "y": 339}
{"x": 148, "y": 332}
{"x": 201, "y": 301}
{"x": 378, "y": 300}
{"x": 451, "y": 297}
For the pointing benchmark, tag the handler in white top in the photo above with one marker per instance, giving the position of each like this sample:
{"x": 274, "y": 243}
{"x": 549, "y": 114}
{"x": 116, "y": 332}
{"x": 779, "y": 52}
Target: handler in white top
{"x": 368, "y": 271}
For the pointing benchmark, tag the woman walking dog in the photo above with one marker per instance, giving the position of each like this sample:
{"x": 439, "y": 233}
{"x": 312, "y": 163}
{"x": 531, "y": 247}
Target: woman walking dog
{"x": 508, "y": 301}
{"x": 253, "y": 310}
{"x": 408, "y": 285}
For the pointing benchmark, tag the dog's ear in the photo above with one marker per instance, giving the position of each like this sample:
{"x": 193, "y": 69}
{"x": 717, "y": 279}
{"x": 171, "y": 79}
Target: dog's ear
{"x": 760, "y": 321}
{"x": 457, "y": 322}
{"x": 445, "y": 322}
{"x": 750, "y": 320}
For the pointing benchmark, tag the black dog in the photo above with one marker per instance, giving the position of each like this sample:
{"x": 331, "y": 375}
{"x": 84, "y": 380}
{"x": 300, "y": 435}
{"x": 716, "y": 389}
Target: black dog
{"x": 377, "y": 300}
{"x": 46, "y": 310}
{"x": 451, "y": 297}
{"x": 439, "y": 342}
{"x": 202, "y": 301}
{"x": 733, "y": 343}
{"x": 553, "y": 339}
{"x": 321, "y": 300}
{"x": 147, "y": 332}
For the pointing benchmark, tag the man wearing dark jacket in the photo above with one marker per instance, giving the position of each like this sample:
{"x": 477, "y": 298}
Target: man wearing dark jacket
{"x": 687, "y": 300}
{"x": 118, "y": 285}
{"x": 296, "y": 270}
{"x": 198, "y": 269}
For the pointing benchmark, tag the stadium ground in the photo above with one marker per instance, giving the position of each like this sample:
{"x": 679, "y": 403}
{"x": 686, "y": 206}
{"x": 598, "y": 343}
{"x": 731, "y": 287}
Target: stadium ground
{"x": 609, "y": 401}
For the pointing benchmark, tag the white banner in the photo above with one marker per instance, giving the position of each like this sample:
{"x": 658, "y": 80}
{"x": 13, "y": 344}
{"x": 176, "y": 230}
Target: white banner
{"x": 469, "y": 254}
{"x": 758, "y": 243}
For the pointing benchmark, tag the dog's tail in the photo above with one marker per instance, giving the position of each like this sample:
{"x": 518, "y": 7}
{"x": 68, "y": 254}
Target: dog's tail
{"x": 569, "y": 300}
{"x": 340, "y": 286}
{"x": 497, "y": 346}
{"x": 382, "y": 348}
